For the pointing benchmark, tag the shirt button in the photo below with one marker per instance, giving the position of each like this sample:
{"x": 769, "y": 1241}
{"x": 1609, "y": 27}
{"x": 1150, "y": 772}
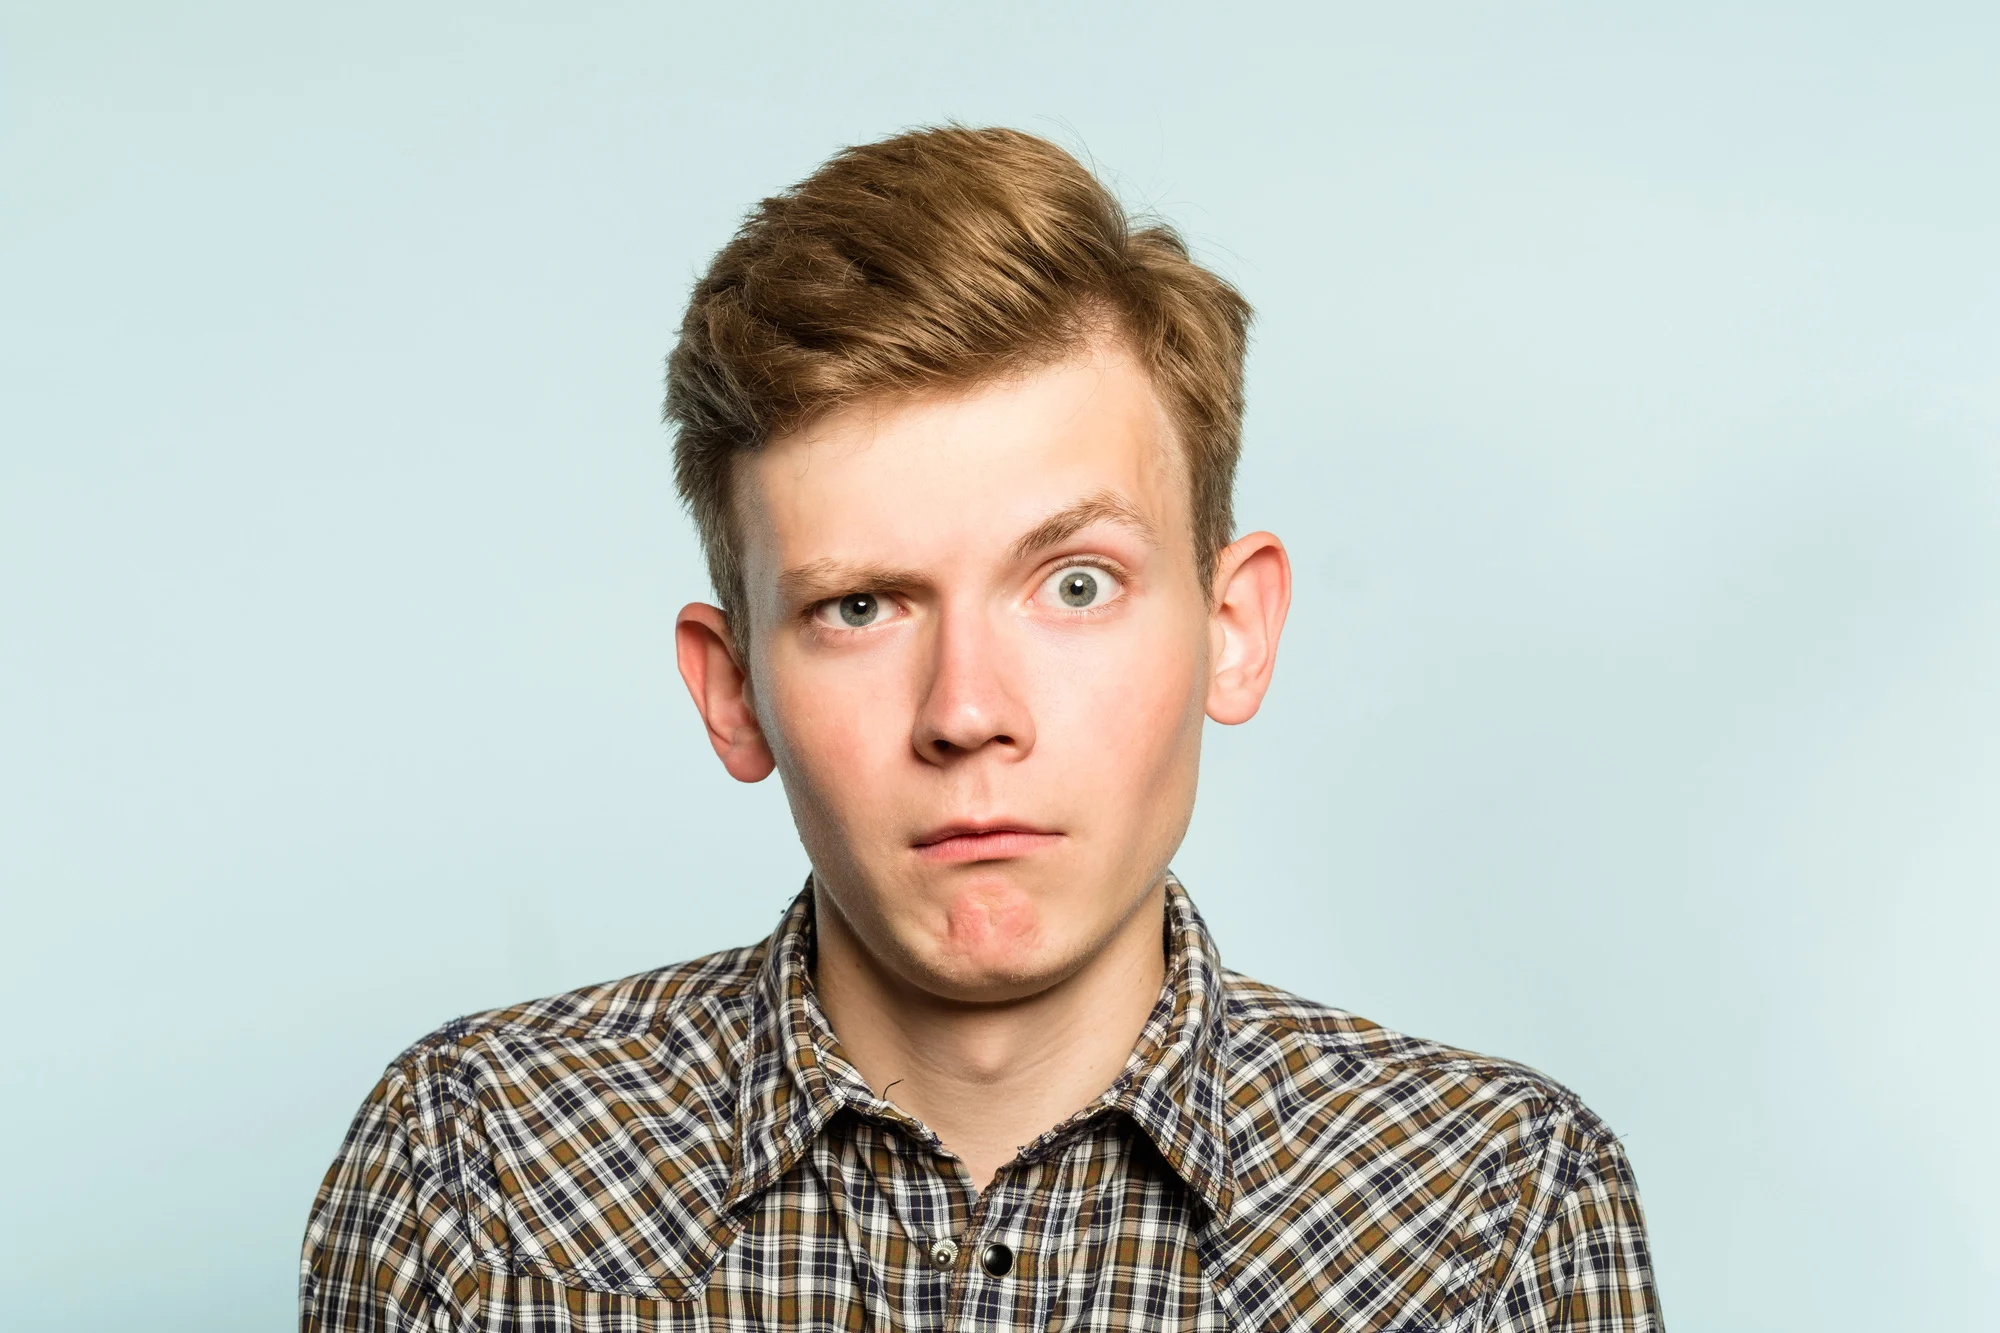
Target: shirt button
{"x": 998, "y": 1260}
{"x": 944, "y": 1253}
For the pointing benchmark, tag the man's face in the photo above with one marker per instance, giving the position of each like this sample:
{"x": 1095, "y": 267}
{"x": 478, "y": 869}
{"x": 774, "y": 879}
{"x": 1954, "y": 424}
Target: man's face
{"x": 979, "y": 655}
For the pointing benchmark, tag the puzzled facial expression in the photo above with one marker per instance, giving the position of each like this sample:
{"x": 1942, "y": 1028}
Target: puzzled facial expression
{"x": 978, "y": 650}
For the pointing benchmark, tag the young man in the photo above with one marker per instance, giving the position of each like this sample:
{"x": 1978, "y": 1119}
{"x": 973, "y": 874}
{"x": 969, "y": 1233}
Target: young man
{"x": 960, "y": 443}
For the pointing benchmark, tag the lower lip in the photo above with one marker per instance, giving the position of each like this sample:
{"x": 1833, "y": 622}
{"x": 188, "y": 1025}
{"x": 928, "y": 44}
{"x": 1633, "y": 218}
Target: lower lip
{"x": 985, "y": 846}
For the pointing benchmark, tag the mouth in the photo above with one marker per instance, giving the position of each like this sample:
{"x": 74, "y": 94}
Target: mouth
{"x": 982, "y": 840}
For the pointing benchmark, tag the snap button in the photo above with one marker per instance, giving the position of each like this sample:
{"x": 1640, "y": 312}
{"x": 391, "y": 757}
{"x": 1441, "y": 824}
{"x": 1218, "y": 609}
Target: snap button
{"x": 944, "y": 1253}
{"x": 998, "y": 1260}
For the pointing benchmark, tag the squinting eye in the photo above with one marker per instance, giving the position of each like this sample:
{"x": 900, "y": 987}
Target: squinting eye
{"x": 1082, "y": 586}
{"x": 858, "y": 610}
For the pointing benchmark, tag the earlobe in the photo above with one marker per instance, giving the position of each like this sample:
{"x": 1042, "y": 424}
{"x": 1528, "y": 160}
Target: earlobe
{"x": 720, "y": 688}
{"x": 1253, "y": 591}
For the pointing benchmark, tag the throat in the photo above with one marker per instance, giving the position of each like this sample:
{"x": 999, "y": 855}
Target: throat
{"x": 990, "y": 1077}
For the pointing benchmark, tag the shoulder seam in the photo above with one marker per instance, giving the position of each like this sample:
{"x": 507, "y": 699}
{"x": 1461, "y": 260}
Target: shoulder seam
{"x": 1561, "y": 1101}
{"x": 465, "y": 1028}
{"x": 662, "y": 1013}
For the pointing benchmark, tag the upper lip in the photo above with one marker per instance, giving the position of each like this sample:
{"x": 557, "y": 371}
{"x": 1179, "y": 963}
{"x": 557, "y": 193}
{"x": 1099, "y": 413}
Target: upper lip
{"x": 965, "y": 828}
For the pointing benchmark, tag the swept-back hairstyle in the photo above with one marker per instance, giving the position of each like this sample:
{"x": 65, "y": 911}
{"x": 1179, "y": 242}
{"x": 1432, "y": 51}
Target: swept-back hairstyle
{"x": 941, "y": 259}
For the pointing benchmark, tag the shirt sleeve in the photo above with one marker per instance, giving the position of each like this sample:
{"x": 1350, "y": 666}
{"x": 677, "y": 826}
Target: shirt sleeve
{"x": 386, "y": 1248}
{"x": 1589, "y": 1269}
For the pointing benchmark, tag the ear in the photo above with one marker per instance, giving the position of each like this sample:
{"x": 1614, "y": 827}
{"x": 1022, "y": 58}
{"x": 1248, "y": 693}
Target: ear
{"x": 1253, "y": 590}
{"x": 721, "y": 690}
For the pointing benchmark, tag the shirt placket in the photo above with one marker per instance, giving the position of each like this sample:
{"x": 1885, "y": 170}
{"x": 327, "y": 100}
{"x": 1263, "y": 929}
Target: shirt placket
{"x": 996, "y": 1278}
{"x": 960, "y": 1261}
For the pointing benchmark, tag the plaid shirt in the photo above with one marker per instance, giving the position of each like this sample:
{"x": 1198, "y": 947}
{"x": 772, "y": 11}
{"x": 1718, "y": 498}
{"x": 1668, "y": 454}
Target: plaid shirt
{"x": 688, "y": 1149}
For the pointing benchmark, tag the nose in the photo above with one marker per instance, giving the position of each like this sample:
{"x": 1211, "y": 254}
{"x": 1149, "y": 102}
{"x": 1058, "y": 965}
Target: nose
{"x": 973, "y": 701}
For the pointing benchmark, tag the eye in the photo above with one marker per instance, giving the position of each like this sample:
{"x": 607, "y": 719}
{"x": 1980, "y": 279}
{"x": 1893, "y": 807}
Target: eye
{"x": 1080, "y": 587}
{"x": 856, "y": 610}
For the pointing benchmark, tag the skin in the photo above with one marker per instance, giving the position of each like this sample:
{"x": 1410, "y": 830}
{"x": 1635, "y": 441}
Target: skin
{"x": 989, "y": 780}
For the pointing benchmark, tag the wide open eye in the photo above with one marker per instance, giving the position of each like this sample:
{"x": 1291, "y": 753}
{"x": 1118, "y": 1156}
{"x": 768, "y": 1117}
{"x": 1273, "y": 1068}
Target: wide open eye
{"x": 1080, "y": 587}
{"x": 856, "y": 610}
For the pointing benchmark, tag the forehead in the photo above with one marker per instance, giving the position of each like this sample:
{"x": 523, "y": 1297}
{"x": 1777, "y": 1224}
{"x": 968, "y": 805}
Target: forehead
{"x": 954, "y": 479}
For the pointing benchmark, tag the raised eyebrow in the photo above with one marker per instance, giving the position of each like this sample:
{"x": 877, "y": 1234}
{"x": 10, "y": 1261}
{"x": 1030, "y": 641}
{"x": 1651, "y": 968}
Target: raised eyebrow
{"x": 1105, "y": 506}
{"x": 812, "y": 583}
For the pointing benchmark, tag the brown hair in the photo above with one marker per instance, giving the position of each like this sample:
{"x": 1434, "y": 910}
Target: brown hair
{"x": 939, "y": 259}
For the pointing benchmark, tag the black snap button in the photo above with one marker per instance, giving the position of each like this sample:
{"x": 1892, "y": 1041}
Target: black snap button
{"x": 998, "y": 1260}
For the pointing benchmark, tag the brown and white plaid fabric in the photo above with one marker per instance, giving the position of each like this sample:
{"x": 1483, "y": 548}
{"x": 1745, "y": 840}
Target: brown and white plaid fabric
{"x": 688, "y": 1149}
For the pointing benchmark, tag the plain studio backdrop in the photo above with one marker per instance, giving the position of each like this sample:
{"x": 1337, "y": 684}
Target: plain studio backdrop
{"x": 1626, "y": 383}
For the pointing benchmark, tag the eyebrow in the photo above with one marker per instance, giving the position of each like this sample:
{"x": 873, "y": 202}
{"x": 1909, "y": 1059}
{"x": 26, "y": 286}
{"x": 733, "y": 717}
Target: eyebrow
{"x": 817, "y": 580}
{"x": 1105, "y": 506}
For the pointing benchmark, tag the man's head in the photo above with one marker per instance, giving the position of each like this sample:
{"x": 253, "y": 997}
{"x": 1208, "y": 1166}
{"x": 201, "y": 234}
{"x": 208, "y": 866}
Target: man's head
{"x": 960, "y": 443}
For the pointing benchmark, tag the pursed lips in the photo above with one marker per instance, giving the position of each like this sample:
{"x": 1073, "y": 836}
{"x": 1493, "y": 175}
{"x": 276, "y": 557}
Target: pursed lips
{"x": 996, "y": 840}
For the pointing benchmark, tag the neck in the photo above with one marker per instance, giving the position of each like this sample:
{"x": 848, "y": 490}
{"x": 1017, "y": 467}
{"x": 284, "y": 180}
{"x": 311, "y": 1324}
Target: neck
{"x": 988, "y": 1078}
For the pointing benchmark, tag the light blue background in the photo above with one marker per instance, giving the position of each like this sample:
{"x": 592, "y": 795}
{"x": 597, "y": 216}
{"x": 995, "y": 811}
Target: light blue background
{"x": 1627, "y": 385}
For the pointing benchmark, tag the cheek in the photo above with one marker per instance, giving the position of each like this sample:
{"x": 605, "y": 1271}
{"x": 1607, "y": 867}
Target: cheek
{"x": 833, "y": 731}
{"x": 1130, "y": 715}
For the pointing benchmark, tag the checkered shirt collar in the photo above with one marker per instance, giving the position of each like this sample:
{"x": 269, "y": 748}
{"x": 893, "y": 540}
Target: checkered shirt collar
{"x": 796, "y": 1079}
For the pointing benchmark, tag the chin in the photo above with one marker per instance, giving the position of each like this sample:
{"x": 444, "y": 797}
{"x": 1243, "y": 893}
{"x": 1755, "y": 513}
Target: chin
{"x": 998, "y": 941}
{"x": 993, "y": 980}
